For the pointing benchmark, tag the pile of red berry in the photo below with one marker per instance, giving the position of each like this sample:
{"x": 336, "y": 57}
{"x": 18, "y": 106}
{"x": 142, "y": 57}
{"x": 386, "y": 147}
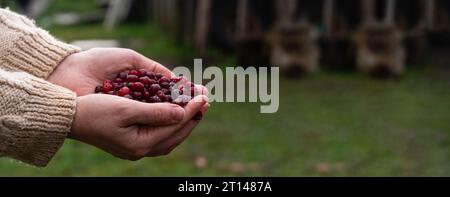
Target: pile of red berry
{"x": 149, "y": 87}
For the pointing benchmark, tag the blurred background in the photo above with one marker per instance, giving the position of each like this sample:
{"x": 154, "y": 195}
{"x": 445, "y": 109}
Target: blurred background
{"x": 364, "y": 89}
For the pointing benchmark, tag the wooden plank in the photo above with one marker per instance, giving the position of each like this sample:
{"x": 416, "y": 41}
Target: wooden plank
{"x": 202, "y": 24}
{"x": 241, "y": 18}
{"x": 367, "y": 7}
{"x": 328, "y": 13}
{"x": 389, "y": 15}
{"x": 429, "y": 6}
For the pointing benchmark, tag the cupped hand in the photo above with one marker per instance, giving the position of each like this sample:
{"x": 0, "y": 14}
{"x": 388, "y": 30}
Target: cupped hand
{"x": 81, "y": 72}
{"x": 132, "y": 130}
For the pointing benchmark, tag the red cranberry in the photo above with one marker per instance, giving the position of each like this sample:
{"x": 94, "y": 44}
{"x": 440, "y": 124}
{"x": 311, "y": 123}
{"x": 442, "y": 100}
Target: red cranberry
{"x": 146, "y": 95}
{"x": 118, "y": 80}
{"x": 150, "y": 75}
{"x": 165, "y": 85}
{"x": 134, "y": 72}
{"x": 153, "y": 89}
{"x": 163, "y": 79}
{"x": 98, "y": 89}
{"x": 132, "y": 78}
{"x": 145, "y": 80}
{"x": 117, "y": 86}
{"x": 123, "y": 75}
{"x": 107, "y": 87}
{"x": 168, "y": 98}
{"x": 154, "y": 99}
{"x": 142, "y": 72}
{"x": 137, "y": 95}
{"x": 158, "y": 75}
{"x": 138, "y": 86}
{"x": 124, "y": 91}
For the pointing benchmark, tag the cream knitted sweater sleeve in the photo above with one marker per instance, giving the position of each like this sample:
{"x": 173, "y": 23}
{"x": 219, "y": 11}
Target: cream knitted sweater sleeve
{"x": 35, "y": 115}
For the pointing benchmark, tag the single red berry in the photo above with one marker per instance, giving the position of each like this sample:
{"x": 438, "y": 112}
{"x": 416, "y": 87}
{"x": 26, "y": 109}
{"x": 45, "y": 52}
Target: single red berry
{"x": 124, "y": 91}
{"x": 129, "y": 84}
{"x": 158, "y": 75}
{"x": 123, "y": 75}
{"x": 137, "y": 95}
{"x": 153, "y": 89}
{"x": 161, "y": 95}
{"x": 118, "y": 80}
{"x": 150, "y": 75}
{"x": 168, "y": 98}
{"x": 132, "y": 78}
{"x": 107, "y": 81}
{"x": 146, "y": 95}
{"x": 138, "y": 86}
{"x": 165, "y": 85}
{"x": 163, "y": 79}
{"x": 117, "y": 86}
{"x": 107, "y": 87}
{"x": 98, "y": 89}
{"x": 145, "y": 80}
{"x": 134, "y": 72}
{"x": 154, "y": 99}
{"x": 142, "y": 72}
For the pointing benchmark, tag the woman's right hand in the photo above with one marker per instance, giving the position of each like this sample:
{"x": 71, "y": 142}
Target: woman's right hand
{"x": 130, "y": 129}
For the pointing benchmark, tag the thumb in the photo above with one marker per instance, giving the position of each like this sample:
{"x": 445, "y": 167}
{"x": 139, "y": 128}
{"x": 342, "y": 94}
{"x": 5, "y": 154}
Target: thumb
{"x": 155, "y": 114}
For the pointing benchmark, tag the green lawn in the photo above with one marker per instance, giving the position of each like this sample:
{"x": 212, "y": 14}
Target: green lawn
{"x": 330, "y": 124}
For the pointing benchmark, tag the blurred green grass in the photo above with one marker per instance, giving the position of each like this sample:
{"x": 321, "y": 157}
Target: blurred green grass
{"x": 330, "y": 124}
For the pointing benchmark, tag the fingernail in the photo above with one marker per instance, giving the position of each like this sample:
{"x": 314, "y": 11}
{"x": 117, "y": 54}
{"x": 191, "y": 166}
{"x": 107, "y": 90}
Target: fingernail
{"x": 177, "y": 113}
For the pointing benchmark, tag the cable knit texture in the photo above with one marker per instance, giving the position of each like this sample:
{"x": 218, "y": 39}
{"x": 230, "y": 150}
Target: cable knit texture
{"x": 24, "y": 47}
{"x": 35, "y": 115}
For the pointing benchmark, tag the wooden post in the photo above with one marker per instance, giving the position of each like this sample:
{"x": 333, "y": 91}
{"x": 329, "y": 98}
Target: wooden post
{"x": 156, "y": 9}
{"x": 429, "y": 13}
{"x": 389, "y": 15}
{"x": 286, "y": 11}
{"x": 202, "y": 24}
{"x": 117, "y": 11}
{"x": 327, "y": 15}
{"x": 367, "y": 12}
{"x": 241, "y": 18}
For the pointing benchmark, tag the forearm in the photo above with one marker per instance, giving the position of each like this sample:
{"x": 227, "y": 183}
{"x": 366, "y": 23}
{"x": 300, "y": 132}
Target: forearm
{"x": 35, "y": 117}
{"x": 27, "y": 48}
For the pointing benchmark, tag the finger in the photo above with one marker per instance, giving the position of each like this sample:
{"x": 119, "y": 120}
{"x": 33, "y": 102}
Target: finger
{"x": 190, "y": 109}
{"x": 154, "y": 114}
{"x": 146, "y": 63}
{"x": 166, "y": 146}
{"x": 201, "y": 90}
{"x": 194, "y": 106}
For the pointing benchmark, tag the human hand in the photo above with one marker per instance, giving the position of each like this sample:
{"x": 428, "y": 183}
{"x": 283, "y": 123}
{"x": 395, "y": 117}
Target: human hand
{"x": 130, "y": 129}
{"x": 81, "y": 72}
